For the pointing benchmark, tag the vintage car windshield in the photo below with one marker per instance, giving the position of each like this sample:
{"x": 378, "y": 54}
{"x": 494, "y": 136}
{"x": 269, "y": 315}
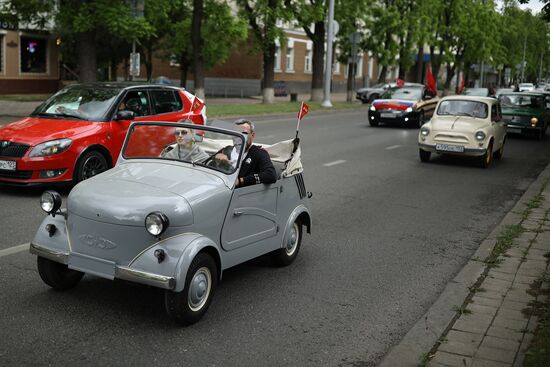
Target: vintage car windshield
{"x": 520, "y": 100}
{"x": 78, "y": 103}
{"x": 219, "y": 150}
{"x": 463, "y": 108}
{"x": 411, "y": 94}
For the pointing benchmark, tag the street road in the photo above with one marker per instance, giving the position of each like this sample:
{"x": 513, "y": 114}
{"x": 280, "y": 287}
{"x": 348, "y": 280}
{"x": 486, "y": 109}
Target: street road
{"x": 388, "y": 233}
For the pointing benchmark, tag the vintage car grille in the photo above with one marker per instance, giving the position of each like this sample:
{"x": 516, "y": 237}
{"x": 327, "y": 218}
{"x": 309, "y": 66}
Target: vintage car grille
{"x": 12, "y": 150}
{"x": 301, "y": 186}
{"x": 18, "y": 175}
{"x": 451, "y": 138}
{"x": 516, "y": 119}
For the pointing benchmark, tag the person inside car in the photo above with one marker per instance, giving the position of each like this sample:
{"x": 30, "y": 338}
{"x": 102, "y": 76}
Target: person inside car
{"x": 186, "y": 148}
{"x": 256, "y": 166}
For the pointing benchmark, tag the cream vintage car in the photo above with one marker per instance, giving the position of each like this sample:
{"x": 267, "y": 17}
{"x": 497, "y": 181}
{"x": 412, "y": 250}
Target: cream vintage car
{"x": 464, "y": 125}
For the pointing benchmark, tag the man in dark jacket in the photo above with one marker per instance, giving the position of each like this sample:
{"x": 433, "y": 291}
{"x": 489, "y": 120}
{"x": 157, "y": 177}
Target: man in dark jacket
{"x": 256, "y": 167}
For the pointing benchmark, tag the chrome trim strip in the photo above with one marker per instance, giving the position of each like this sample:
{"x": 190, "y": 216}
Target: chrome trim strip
{"x": 138, "y": 276}
{"x": 60, "y": 257}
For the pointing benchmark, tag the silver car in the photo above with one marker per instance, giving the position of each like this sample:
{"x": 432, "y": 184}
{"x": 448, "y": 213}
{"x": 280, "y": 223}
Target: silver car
{"x": 171, "y": 222}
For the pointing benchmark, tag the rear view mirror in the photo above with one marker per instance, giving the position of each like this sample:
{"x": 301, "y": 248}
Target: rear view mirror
{"x": 125, "y": 115}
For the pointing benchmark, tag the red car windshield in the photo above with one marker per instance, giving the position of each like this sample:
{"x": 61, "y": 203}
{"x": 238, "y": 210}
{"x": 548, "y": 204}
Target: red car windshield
{"x": 78, "y": 103}
{"x": 409, "y": 94}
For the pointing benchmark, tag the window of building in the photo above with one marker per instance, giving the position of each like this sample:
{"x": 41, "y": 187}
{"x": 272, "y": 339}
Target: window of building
{"x": 307, "y": 62}
{"x": 166, "y": 101}
{"x": 290, "y": 56}
{"x": 33, "y": 54}
{"x": 277, "y": 56}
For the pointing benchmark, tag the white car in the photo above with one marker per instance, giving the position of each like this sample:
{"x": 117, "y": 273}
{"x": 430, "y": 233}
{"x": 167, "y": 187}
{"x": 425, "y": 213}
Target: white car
{"x": 526, "y": 87}
{"x": 464, "y": 125}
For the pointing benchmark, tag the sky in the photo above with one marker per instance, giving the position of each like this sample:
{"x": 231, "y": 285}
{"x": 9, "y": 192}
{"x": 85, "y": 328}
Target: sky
{"x": 534, "y": 5}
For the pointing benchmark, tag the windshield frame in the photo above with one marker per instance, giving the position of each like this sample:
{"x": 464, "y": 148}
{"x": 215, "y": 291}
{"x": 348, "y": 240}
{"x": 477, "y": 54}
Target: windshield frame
{"x": 195, "y": 127}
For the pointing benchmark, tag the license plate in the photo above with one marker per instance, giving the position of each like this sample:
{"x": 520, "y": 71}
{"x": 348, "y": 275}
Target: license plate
{"x": 8, "y": 165}
{"x": 92, "y": 265}
{"x": 449, "y": 148}
{"x": 387, "y": 115}
{"x": 513, "y": 130}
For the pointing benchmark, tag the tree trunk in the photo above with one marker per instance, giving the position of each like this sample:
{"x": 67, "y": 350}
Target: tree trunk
{"x": 351, "y": 76}
{"x": 196, "y": 41}
{"x": 317, "y": 62}
{"x": 269, "y": 74}
{"x": 450, "y": 74}
{"x": 383, "y": 73}
{"x": 184, "y": 68}
{"x": 149, "y": 59}
{"x": 114, "y": 71}
{"x": 420, "y": 64}
{"x": 87, "y": 59}
{"x": 401, "y": 74}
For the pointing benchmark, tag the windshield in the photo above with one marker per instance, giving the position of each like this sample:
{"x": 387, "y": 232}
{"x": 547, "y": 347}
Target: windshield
{"x": 518, "y": 100}
{"x": 78, "y": 103}
{"x": 463, "y": 108}
{"x": 219, "y": 150}
{"x": 410, "y": 94}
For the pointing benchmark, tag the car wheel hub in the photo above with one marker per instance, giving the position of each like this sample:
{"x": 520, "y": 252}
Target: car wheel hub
{"x": 92, "y": 167}
{"x": 292, "y": 241}
{"x": 199, "y": 289}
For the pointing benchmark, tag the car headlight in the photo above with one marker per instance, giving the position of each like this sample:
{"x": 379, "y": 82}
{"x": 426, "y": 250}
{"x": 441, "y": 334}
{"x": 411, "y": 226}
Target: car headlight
{"x": 50, "y": 147}
{"x": 534, "y": 121}
{"x": 480, "y": 135}
{"x": 424, "y": 131}
{"x": 50, "y": 201}
{"x": 409, "y": 109}
{"x": 372, "y": 108}
{"x": 156, "y": 223}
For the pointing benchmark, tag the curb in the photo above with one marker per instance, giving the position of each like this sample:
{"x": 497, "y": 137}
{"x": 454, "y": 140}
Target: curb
{"x": 422, "y": 337}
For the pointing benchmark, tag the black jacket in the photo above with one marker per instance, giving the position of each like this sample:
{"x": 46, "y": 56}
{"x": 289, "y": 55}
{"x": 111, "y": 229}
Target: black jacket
{"x": 257, "y": 167}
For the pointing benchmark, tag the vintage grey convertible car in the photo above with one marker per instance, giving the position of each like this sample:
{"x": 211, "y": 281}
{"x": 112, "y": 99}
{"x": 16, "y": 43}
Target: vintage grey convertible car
{"x": 173, "y": 221}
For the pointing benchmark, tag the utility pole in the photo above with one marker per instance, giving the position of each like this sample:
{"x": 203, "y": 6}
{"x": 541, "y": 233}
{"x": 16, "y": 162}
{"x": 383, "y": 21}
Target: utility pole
{"x": 328, "y": 58}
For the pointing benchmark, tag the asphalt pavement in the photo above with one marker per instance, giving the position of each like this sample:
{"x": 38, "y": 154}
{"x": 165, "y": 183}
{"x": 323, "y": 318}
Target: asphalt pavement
{"x": 389, "y": 233}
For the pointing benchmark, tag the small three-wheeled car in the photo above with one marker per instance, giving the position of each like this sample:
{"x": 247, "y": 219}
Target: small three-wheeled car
{"x": 169, "y": 215}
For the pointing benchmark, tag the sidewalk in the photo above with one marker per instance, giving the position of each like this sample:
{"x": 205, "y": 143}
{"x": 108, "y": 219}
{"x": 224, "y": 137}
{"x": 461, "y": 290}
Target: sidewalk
{"x": 500, "y": 286}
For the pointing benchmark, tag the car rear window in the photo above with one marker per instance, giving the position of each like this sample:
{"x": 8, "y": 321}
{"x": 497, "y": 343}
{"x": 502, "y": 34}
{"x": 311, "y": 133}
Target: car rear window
{"x": 166, "y": 101}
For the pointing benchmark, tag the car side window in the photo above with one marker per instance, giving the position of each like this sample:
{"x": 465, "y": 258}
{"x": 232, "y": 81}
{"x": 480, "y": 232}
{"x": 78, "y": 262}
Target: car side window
{"x": 137, "y": 102}
{"x": 494, "y": 113}
{"x": 166, "y": 101}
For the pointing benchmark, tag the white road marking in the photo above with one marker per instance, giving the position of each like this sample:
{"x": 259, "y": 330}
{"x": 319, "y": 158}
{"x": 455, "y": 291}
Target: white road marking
{"x": 334, "y": 163}
{"x": 14, "y": 250}
{"x": 393, "y": 147}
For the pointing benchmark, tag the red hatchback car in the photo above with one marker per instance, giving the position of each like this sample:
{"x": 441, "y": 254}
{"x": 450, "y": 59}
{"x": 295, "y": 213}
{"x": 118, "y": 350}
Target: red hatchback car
{"x": 79, "y": 131}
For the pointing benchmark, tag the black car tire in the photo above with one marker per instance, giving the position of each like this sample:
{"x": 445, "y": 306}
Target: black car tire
{"x": 56, "y": 275}
{"x": 424, "y": 155}
{"x": 286, "y": 255}
{"x": 486, "y": 159}
{"x": 498, "y": 154}
{"x": 89, "y": 165}
{"x": 188, "y": 306}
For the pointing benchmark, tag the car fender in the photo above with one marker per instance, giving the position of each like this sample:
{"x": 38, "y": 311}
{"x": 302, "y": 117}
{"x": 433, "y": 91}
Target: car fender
{"x": 179, "y": 252}
{"x": 56, "y": 246}
{"x": 300, "y": 210}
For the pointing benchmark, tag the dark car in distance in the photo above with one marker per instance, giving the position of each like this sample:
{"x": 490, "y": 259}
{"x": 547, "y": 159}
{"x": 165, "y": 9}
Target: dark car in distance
{"x": 525, "y": 113}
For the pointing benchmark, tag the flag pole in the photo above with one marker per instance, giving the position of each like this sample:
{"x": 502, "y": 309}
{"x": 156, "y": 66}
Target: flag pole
{"x": 299, "y": 119}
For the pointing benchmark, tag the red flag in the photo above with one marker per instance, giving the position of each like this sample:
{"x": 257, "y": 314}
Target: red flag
{"x": 400, "y": 83}
{"x": 430, "y": 81}
{"x": 461, "y": 87}
{"x": 197, "y": 105}
{"x": 304, "y": 109}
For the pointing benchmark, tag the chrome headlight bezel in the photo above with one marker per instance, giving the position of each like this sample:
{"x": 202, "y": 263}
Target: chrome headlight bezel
{"x": 480, "y": 135}
{"x": 424, "y": 131}
{"x": 50, "y": 201}
{"x": 50, "y": 147}
{"x": 156, "y": 223}
{"x": 372, "y": 108}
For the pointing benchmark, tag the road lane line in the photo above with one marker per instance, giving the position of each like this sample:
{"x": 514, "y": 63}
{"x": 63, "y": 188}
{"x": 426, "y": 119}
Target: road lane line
{"x": 14, "y": 250}
{"x": 334, "y": 163}
{"x": 393, "y": 147}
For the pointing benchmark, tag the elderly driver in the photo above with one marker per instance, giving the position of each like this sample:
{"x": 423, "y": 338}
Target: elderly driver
{"x": 186, "y": 148}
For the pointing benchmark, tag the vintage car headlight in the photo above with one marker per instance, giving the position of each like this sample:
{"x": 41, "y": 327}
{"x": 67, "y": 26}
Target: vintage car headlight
{"x": 156, "y": 223}
{"x": 480, "y": 135}
{"x": 50, "y": 201}
{"x": 534, "y": 121}
{"x": 424, "y": 131}
{"x": 409, "y": 109}
{"x": 372, "y": 108}
{"x": 50, "y": 147}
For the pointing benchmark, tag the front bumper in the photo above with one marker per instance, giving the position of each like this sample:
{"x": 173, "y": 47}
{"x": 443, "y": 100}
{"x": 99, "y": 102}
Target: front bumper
{"x": 121, "y": 272}
{"x": 474, "y": 152}
{"x": 522, "y": 129}
{"x": 31, "y": 171}
{"x": 399, "y": 117}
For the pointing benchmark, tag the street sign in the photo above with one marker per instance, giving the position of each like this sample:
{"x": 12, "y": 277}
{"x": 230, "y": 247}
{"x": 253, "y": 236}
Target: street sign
{"x": 335, "y": 28}
{"x": 134, "y": 64}
{"x": 355, "y": 37}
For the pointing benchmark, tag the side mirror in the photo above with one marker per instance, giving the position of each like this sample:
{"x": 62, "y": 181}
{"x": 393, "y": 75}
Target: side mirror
{"x": 125, "y": 115}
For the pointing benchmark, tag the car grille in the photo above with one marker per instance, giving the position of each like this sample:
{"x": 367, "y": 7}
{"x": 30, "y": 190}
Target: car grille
{"x": 516, "y": 119}
{"x": 12, "y": 150}
{"x": 17, "y": 175}
{"x": 451, "y": 138}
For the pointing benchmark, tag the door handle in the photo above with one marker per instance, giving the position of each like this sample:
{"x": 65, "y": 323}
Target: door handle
{"x": 237, "y": 213}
